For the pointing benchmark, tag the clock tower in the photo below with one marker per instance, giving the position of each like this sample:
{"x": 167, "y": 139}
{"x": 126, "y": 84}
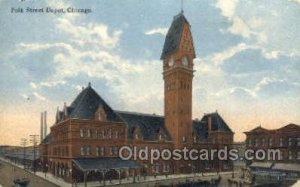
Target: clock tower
{"x": 177, "y": 55}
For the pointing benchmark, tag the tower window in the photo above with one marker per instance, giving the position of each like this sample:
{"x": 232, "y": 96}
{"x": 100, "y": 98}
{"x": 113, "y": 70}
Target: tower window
{"x": 81, "y": 133}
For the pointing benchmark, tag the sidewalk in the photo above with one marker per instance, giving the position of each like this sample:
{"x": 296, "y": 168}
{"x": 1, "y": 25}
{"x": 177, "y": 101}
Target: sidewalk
{"x": 160, "y": 178}
{"x": 49, "y": 177}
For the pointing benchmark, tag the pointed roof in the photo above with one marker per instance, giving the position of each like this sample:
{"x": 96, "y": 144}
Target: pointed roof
{"x": 149, "y": 125}
{"x": 174, "y": 34}
{"x": 286, "y": 128}
{"x": 259, "y": 129}
{"x": 217, "y": 122}
{"x": 86, "y": 104}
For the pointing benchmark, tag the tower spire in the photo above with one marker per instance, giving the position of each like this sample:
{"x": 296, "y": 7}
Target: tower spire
{"x": 181, "y": 7}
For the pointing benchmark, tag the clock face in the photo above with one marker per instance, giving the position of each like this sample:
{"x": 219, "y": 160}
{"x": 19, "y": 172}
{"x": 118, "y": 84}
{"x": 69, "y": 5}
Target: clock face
{"x": 171, "y": 62}
{"x": 184, "y": 61}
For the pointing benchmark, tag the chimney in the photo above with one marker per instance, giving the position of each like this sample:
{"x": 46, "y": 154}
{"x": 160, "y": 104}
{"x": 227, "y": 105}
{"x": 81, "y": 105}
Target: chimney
{"x": 42, "y": 124}
{"x": 65, "y": 110}
{"x": 45, "y": 124}
{"x": 209, "y": 123}
{"x": 57, "y": 115}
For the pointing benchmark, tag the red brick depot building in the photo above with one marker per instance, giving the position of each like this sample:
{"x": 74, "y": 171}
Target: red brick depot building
{"x": 85, "y": 140}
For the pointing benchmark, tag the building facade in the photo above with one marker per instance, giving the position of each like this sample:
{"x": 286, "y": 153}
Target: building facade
{"x": 85, "y": 140}
{"x": 285, "y": 140}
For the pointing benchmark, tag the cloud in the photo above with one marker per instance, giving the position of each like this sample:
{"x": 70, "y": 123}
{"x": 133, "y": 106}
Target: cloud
{"x": 89, "y": 34}
{"x": 297, "y": 1}
{"x": 220, "y": 57}
{"x": 240, "y": 27}
{"x": 38, "y": 96}
{"x": 24, "y": 48}
{"x": 261, "y": 24}
{"x": 25, "y": 96}
{"x": 33, "y": 85}
{"x": 227, "y": 7}
{"x": 49, "y": 84}
{"x": 162, "y": 31}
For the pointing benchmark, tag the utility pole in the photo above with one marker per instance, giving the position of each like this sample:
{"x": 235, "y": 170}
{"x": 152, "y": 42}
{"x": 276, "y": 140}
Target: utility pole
{"x": 34, "y": 141}
{"x": 23, "y": 143}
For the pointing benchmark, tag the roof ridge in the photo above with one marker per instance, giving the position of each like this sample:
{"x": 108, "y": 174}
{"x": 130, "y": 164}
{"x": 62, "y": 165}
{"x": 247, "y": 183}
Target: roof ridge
{"x": 139, "y": 113}
{"x": 81, "y": 99}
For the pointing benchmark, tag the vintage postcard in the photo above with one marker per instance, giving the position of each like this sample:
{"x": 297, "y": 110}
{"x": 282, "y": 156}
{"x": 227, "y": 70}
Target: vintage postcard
{"x": 149, "y": 93}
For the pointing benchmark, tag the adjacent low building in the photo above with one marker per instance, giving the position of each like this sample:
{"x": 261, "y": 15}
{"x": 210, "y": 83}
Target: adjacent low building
{"x": 285, "y": 141}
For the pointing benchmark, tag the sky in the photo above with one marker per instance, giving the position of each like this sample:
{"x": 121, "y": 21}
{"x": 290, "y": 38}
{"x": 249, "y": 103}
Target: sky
{"x": 247, "y": 61}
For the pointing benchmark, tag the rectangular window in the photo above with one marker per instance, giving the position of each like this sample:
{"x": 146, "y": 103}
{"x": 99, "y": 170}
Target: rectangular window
{"x": 109, "y": 133}
{"x": 82, "y": 150}
{"x": 102, "y": 151}
{"x": 155, "y": 168}
{"x": 89, "y": 133}
{"x": 117, "y": 135}
{"x": 281, "y": 142}
{"x": 97, "y": 134}
{"x": 250, "y": 142}
{"x": 256, "y": 142}
{"x": 115, "y": 151}
{"x": 281, "y": 155}
{"x": 88, "y": 150}
{"x": 81, "y": 133}
{"x": 270, "y": 142}
{"x": 166, "y": 168}
{"x": 111, "y": 151}
{"x": 67, "y": 151}
{"x": 298, "y": 141}
{"x": 290, "y": 155}
{"x": 263, "y": 142}
{"x": 207, "y": 165}
{"x": 97, "y": 151}
{"x": 226, "y": 164}
{"x": 298, "y": 155}
{"x": 290, "y": 141}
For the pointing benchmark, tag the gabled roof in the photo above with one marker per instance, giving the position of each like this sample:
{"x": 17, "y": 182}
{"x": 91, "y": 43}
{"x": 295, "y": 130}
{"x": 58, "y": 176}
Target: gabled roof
{"x": 148, "y": 125}
{"x": 217, "y": 125}
{"x": 86, "y": 104}
{"x": 172, "y": 40}
{"x": 200, "y": 129}
{"x": 289, "y": 127}
{"x": 259, "y": 129}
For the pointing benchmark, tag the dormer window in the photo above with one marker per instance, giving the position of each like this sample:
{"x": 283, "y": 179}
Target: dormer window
{"x": 100, "y": 114}
{"x": 160, "y": 136}
{"x": 117, "y": 135}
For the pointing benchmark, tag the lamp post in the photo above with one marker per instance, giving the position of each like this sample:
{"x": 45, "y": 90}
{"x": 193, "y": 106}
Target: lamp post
{"x": 23, "y": 143}
{"x": 34, "y": 140}
{"x": 70, "y": 174}
{"x": 46, "y": 169}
